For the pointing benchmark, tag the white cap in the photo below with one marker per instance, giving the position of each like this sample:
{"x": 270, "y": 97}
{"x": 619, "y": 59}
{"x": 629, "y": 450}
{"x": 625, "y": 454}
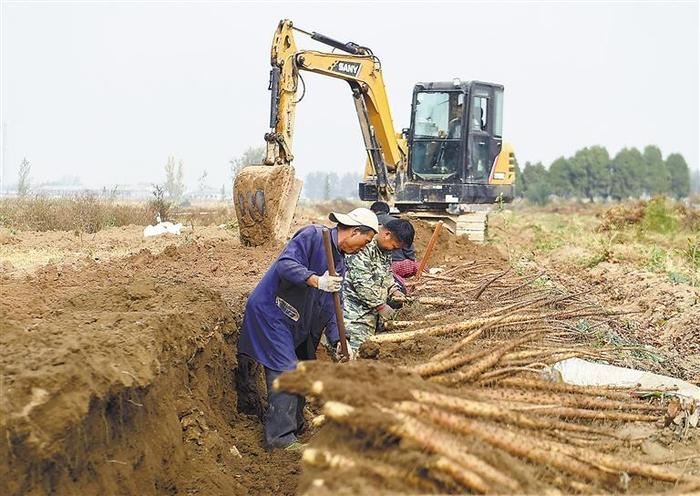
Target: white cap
{"x": 358, "y": 217}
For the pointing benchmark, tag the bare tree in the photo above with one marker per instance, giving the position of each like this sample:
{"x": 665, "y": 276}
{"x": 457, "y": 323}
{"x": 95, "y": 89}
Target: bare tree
{"x": 159, "y": 206}
{"x": 170, "y": 186}
{"x": 174, "y": 179}
{"x": 202, "y": 181}
{"x": 327, "y": 187}
{"x": 180, "y": 183}
{"x": 23, "y": 178}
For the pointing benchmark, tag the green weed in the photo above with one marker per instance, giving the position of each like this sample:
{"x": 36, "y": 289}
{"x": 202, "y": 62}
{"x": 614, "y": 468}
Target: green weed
{"x": 659, "y": 218}
{"x": 692, "y": 253}
{"x": 678, "y": 278}
{"x": 657, "y": 259}
{"x": 599, "y": 257}
{"x": 603, "y": 253}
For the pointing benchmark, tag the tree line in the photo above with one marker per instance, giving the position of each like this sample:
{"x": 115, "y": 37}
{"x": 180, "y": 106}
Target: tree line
{"x": 318, "y": 185}
{"x": 331, "y": 186}
{"x": 589, "y": 174}
{"x": 592, "y": 174}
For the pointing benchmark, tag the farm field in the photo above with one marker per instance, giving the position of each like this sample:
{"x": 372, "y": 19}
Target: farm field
{"x": 120, "y": 351}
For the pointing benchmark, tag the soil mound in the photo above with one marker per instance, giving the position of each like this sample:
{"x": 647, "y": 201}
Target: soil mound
{"x": 118, "y": 378}
{"x": 452, "y": 249}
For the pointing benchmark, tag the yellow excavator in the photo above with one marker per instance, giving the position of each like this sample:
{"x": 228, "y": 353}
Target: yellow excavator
{"x": 451, "y": 164}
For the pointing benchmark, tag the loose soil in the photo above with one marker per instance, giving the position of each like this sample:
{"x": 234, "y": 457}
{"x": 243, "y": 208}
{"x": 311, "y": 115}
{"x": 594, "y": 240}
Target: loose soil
{"x": 117, "y": 375}
{"x": 22, "y": 252}
{"x": 451, "y": 249}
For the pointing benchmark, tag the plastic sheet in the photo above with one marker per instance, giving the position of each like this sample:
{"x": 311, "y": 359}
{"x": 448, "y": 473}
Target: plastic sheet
{"x": 162, "y": 228}
{"x": 585, "y": 373}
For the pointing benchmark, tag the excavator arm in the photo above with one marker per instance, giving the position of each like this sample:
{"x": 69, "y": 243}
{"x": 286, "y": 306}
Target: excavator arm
{"x": 265, "y": 196}
{"x": 361, "y": 70}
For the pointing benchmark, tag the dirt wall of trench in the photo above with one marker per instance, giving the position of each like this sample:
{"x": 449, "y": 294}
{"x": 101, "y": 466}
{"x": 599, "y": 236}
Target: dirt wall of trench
{"x": 118, "y": 378}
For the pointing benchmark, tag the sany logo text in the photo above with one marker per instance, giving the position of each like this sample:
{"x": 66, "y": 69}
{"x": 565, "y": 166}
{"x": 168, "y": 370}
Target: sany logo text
{"x": 350, "y": 68}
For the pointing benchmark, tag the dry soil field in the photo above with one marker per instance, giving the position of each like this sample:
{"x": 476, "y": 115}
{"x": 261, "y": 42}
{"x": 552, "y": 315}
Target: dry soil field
{"x": 119, "y": 353}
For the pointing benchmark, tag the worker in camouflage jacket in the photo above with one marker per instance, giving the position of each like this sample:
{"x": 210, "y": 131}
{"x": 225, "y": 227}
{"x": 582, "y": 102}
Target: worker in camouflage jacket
{"x": 369, "y": 282}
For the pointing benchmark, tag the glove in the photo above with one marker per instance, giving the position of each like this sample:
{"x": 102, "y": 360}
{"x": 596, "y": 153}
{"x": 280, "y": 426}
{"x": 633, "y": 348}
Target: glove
{"x": 385, "y": 311}
{"x": 339, "y": 353}
{"x": 329, "y": 283}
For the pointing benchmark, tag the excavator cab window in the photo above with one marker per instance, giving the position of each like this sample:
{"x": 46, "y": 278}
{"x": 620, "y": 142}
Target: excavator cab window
{"x": 485, "y": 129}
{"x": 498, "y": 113}
{"x": 437, "y": 134}
{"x": 479, "y": 146}
{"x": 479, "y": 119}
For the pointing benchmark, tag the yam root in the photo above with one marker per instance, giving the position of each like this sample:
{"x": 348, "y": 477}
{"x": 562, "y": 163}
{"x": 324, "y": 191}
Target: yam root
{"x": 485, "y": 410}
{"x": 489, "y": 360}
{"x": 433, "y": 440}
{"x": 614, "y": 393}
{"x": 505, "y": 440}
{"x": 441, "y": 330}
{"x": 328, "y": 459}
{"x": 592, "y": 457}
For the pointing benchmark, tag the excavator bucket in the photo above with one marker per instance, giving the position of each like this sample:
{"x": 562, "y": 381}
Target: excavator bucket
{"x": 265, "y": 198}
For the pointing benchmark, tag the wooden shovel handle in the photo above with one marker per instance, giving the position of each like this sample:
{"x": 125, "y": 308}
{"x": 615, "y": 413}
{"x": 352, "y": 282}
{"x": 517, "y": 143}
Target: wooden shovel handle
{"x": 429, "y": 249}
{"x": 336, "y": 295}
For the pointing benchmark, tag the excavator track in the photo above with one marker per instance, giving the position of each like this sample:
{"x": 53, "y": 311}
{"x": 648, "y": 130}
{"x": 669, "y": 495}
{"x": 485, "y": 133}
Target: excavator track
{"x": 473, "y": 225}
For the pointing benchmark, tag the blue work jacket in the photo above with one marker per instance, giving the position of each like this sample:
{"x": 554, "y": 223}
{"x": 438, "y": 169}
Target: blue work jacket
{"x": 284, "y": 317}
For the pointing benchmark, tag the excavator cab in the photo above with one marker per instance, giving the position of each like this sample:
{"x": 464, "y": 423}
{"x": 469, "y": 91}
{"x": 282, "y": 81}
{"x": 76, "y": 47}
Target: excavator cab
{"x": 454, "y": 145}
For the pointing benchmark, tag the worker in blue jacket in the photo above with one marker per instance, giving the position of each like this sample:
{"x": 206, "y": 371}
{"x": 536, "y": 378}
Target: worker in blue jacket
{"x": 286, "y": 314}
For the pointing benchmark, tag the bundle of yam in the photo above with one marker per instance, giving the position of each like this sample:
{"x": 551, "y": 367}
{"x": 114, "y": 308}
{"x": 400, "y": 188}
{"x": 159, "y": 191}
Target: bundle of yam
{"x": 464, "y": 398}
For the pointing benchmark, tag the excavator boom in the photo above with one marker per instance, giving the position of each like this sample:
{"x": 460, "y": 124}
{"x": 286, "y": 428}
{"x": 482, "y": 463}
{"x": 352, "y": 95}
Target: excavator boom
{"x": 265, "y": 195}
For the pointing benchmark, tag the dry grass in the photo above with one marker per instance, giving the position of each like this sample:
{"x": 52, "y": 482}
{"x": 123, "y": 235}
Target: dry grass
{"x": 84, "y": 213}
{"x": 206, "y": 215}
{"x": 87, "y": 213}
{"x": 656, "y": 236}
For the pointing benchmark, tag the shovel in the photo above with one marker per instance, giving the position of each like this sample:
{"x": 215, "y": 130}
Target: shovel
{"x": 336, "y": 296}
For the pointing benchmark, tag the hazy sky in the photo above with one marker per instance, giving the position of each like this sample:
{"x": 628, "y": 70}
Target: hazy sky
{"x": 108, "y": 90}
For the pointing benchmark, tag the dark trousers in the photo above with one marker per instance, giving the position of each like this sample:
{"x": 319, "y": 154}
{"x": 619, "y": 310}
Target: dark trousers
{"x": 283, "y": 418}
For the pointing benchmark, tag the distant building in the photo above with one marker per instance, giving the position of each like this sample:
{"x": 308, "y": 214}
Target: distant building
{"x": 127, "y": 192}
{"x": 120, "y": 192}
{"x": 206, "y": 193}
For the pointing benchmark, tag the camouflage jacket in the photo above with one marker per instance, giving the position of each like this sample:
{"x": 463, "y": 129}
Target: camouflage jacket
{"x": 368, "y": 277}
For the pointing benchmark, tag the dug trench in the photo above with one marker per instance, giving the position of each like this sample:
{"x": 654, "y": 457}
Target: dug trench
{"x": 118, "y": 378}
